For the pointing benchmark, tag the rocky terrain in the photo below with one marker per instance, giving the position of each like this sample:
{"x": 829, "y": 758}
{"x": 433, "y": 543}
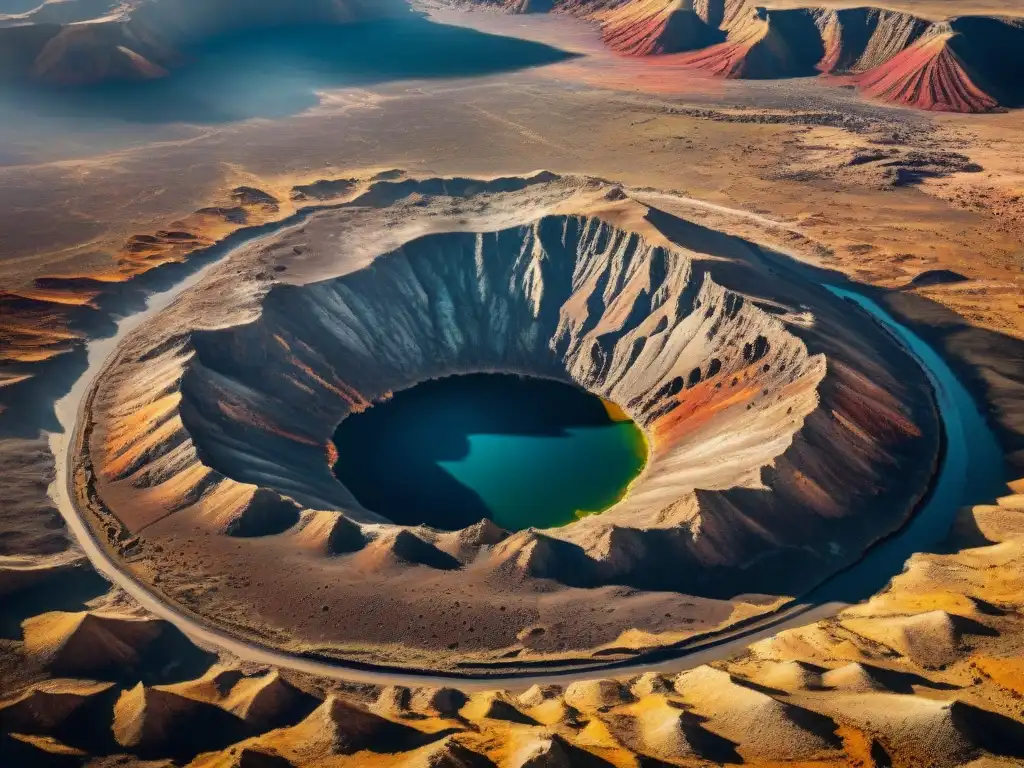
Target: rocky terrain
{"x": 920, "y": 675}
{"x": 966, "y": 63}
{"x": 204, "y": 457}
{"x": 957, "y": 64}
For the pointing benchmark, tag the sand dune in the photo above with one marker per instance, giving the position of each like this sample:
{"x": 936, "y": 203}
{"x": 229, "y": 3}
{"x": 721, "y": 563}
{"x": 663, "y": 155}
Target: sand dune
{"x": 338, "y": 728}
{"x": 758, "y": 723}
{"x": 21, "y": 572}
{"x": 151, "y": 721}
{"x": 265, "y": 701}
{"x": 46, "y": 708}
{"x": 21, "y": 749}
{"x": 788, "y": 699}
{"x": 654, "y": 26}
{"x": 89, "y": 642}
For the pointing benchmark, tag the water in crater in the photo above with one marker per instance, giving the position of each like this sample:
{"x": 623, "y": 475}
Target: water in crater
{"x": 524, "y": 452}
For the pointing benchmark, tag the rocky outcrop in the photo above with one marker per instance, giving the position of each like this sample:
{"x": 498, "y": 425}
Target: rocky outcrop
{"x": 859, "y": 39}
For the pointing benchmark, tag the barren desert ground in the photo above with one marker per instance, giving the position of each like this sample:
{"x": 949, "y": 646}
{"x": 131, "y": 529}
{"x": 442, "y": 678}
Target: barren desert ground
{"x": 745, "y": 487}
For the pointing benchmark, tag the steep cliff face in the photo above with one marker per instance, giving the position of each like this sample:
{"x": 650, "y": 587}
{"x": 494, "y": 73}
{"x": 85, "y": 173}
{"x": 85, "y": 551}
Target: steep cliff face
{"x": 857, "y": 39}
{"x": 565, "y": 297}
{"x": 773, "y": 416}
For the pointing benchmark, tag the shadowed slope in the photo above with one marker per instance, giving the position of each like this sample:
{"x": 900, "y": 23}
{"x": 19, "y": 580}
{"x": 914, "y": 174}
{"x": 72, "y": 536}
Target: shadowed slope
{"x": 928, "y": 75}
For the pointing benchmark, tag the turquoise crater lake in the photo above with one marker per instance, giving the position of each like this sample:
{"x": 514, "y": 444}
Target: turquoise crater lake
{"x": 524, "y": 452}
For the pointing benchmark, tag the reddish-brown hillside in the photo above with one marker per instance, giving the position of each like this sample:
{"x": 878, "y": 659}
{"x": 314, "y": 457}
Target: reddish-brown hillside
{"x": 650, "y": 27}
{"x": 928, "y": 75}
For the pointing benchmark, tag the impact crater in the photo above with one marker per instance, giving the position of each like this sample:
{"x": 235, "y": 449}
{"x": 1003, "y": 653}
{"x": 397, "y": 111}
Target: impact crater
{"x": 773, "y": 416}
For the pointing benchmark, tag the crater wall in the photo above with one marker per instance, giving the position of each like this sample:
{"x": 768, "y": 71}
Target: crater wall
{"x": 773, "y": 412}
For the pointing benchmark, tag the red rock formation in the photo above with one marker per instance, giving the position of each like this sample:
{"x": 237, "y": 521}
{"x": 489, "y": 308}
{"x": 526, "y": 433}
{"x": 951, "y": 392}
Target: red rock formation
{"x": 658, "y": 26}
{"x": 928, "y": 75}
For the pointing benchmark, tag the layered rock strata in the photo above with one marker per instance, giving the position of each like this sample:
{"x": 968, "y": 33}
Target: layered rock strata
{"x": 961, "y": 64}
{"x": 774, "y": 413}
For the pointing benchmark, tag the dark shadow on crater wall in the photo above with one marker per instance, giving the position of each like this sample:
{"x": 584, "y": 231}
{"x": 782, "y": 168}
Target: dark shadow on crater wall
{"x": 273, "y": 73}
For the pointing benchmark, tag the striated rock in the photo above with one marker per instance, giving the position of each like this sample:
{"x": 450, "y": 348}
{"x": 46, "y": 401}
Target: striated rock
{"x": 145, "y": 39}
{"x": 963, "y": 65}
{"x": 766, "y": 438}
{"x": 859, "y": 39}
{"x": 928, "y": 75}
{"x": 646, "y": 27}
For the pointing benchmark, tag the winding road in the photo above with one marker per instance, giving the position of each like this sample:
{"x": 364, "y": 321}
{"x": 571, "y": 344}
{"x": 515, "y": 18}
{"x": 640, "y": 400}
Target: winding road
{"x": 970, "y": 473}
